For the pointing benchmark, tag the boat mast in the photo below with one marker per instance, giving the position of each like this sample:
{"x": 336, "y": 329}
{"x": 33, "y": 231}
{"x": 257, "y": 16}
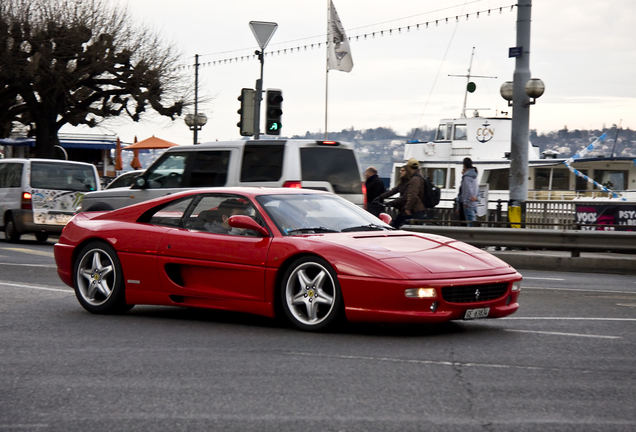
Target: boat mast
{"x": 468, "y": 86}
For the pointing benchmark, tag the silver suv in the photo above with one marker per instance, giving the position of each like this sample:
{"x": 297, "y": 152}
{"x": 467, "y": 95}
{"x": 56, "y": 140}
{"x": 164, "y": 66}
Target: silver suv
{"x": 323, "y": 165}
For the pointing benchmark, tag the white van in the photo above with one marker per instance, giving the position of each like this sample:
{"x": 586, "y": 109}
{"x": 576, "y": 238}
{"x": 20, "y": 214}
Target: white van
{"x": 324, "y": 165}
{"x": 39, "y": 196}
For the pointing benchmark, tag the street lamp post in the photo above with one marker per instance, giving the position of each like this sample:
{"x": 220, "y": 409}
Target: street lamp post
{"x": 196, "y": 121}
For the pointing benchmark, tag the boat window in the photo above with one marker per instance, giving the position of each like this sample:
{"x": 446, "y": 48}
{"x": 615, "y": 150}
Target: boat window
{"x": 436, "y": 175}
{"x": 460, "y": 132}
{"x": 581, "y": 183}
{"x": 560, "y": 179}
{"x": 452, "y": 179}
{"x": 497, "y": 179}
{"x": 611, "y": 179}
{"x": 444, "y": 132}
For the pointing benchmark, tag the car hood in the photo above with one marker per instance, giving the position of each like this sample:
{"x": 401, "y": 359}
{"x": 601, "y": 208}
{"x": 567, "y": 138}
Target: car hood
{"x": 416, "y": 255}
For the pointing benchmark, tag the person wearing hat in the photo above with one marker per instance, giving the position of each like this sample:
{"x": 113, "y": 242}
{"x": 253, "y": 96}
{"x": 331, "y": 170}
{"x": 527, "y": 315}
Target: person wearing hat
{"x": 414, "y": 207}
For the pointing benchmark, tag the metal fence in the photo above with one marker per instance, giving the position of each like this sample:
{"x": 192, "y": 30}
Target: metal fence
{"x": 539, "y": 214}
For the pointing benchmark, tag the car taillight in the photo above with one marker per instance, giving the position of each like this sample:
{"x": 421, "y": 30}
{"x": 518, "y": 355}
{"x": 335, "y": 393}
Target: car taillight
{"x": 329, "y": 143}
{"x": 27, "y": 204}
{"x": 292, "y": 184}
{"x": 364, "y": 193}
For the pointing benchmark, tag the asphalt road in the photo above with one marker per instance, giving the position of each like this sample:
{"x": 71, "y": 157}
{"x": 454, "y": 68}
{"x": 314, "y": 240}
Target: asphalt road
{"x": 565, "y": 362}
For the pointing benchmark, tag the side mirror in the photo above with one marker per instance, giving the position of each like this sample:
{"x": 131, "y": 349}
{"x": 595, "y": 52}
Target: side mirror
{"x": 140, "y": 182}
{"x": 385, "y": 218}
{"x": 246, "y": 222}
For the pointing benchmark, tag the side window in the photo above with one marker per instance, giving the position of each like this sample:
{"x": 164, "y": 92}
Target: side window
{"x": 460, "y": 132}
{"x": 168, "y": 173}
{"x": 212, "y": 212}
{"x": 170, "y": 215}
{"x": 262, "y": 162}
{"x": 11, "y": 175}
{"x": 209, "y": 168}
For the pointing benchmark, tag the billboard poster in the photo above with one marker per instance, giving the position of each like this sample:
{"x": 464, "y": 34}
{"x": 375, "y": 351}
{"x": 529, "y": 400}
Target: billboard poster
{"x": 622, "y": 216}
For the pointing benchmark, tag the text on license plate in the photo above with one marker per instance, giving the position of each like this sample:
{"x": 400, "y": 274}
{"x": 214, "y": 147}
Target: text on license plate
{"x": 476, "y": 313}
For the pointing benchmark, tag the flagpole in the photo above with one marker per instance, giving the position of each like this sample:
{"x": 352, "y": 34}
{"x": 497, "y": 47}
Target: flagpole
{"x": 327, "y": 67}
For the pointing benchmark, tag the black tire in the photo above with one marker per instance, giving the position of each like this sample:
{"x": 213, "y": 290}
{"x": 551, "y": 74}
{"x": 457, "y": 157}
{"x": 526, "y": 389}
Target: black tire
{"x": 99, "y": 280}
{"x": 41, "y": 236}
{"x": 310, "y": 294}
{"x": 11, "y": 233}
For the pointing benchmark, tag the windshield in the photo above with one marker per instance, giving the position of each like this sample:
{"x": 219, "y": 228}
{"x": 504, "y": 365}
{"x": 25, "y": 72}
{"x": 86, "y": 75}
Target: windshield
{"x": 318, "y": 213}
{"x": 63, "y": 176}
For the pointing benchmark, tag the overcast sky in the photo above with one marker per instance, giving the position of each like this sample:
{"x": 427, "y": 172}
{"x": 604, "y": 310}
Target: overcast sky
{"x": 583, "y": 51}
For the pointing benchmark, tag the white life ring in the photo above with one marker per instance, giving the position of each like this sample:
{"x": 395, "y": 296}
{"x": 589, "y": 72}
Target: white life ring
{"x": 430, "y": 148}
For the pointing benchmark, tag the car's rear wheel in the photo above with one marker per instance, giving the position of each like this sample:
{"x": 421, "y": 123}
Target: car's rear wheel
{"x": 41, "y": 236}
{"x": 11, "y": 232}
{"x": 99, "y": 280}
{"x": 310, "y": 294}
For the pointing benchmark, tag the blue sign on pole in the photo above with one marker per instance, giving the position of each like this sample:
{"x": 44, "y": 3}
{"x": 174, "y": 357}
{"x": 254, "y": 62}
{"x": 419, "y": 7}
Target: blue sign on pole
{"x": 515, "y": 51}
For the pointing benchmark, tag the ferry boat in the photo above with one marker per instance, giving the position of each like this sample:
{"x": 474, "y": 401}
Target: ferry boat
{"x": 486, "y": 140}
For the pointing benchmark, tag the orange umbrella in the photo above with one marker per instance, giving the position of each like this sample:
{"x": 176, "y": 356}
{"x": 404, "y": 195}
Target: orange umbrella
{"x": 135, "y": 162}
{"x": 151, "y": 143}
{"x": 118, "y": 162}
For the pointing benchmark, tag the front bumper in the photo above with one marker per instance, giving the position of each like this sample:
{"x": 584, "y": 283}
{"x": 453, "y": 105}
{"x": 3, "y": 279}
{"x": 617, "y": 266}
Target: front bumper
{"x": 377, "y": 300}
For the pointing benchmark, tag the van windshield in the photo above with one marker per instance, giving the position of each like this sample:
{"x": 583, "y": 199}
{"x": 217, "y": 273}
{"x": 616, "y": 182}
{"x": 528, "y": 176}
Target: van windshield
{"x": 63, "y": 176}
{"x": 334, "y": 165}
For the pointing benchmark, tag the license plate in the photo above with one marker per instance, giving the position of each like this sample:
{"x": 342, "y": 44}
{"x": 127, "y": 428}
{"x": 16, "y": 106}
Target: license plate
{"x": 476, "y": 313}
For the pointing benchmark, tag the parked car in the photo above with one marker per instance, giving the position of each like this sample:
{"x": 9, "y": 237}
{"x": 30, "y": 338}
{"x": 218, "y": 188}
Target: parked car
{"x": 323, "y": 165}
{"x": 39, "y": 196}
{"x": 311, "y": 255}
{"x": 124, "y": 180}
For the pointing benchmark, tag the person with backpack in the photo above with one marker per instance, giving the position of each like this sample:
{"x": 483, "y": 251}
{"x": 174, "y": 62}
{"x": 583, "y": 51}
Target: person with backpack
{"x": 469, "y": 191}
{"x": 400, "y": 201}
{"x": 414, "y": 207}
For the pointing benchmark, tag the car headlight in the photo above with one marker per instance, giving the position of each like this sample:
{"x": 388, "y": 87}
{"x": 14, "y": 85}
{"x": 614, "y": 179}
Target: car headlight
{"x": 516, "y": 286}
{"x": 420, "y": 293}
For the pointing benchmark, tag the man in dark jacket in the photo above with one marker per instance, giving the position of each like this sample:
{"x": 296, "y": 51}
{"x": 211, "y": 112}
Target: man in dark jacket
{"x": 375, "y": 188}
{"x": 400, "y": 202}
{"x": 414, "y": 208}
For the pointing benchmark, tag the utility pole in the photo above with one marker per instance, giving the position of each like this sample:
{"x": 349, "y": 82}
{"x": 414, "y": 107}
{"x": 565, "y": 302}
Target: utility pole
{"x": 520, "y": 110}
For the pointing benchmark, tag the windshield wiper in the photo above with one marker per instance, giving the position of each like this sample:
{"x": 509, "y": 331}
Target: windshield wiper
{"x": 314, "y": 230}
{"x": 370, "y": 227}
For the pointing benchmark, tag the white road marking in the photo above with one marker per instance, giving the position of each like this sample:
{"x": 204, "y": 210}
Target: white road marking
{"x": 539, "y": 278}
{"x": 29, "y": 265}
{"x": 16, "y": 285}
{"x": 28, "y": 251}
{"x": 597, "y": 291}
{"x": 563, "y": 334}
{"x": 427, "y": 362}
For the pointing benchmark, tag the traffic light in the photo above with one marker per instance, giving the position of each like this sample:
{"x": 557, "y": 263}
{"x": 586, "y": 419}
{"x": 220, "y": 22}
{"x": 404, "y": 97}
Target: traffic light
{"x": 246, "y": 124}
{"x": 273, "y": 111}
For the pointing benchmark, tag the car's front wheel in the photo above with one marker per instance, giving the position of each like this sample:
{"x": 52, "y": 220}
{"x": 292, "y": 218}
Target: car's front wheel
{"x": 310, "y": 294}
{"x": 99, "y": 280}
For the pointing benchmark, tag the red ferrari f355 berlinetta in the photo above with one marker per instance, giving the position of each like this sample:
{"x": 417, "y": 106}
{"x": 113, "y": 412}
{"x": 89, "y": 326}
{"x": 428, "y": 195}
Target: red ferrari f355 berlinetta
{"x": 310, "y": 255}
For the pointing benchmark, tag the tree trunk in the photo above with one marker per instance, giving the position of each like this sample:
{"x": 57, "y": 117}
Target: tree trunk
{"x": 46, "y": 137}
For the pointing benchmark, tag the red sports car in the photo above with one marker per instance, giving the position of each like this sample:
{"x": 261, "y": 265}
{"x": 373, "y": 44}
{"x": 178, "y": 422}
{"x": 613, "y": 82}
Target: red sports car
{"x": 310, "y": 255}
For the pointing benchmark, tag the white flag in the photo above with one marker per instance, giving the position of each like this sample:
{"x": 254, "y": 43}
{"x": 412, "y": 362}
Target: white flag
{"x": 339, "y": 55}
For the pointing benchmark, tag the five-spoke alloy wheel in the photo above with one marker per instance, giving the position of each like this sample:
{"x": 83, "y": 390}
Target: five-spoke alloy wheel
{"x": 99, "y": 283}
{"x": 310, "y": 294}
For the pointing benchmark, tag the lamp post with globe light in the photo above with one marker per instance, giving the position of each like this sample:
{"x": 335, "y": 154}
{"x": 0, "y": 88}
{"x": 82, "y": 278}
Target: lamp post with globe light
{"x": 196, "y": 121}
